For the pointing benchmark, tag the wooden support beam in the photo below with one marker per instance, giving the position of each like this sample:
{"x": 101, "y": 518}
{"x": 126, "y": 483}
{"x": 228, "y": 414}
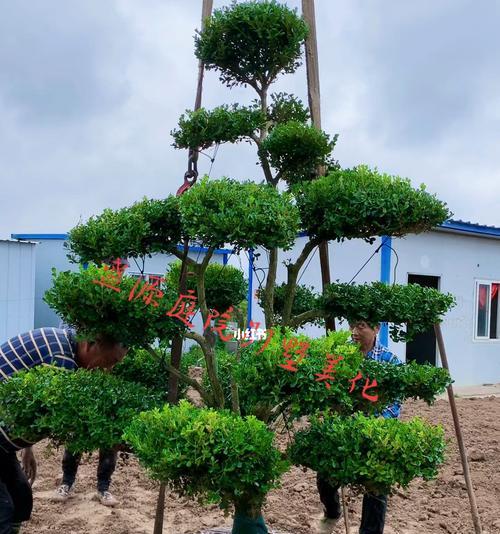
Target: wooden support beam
{"x": 458, "y": 431}
{"x": 314, "y": 96}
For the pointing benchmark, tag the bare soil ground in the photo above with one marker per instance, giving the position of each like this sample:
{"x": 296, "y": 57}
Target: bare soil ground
{"x": 436, "y": 507}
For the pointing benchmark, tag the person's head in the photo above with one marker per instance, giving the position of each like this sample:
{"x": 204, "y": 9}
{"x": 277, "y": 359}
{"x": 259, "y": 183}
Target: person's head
{"x": 365, "y": 334}
{"x": 102, "y": 353}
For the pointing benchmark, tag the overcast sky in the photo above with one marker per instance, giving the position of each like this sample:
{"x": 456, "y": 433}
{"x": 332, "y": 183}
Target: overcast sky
{"x": 90, "y": 89}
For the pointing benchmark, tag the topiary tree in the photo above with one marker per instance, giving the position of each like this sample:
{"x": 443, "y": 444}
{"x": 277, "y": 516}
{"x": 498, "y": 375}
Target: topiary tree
{"x": 250, "y": 44}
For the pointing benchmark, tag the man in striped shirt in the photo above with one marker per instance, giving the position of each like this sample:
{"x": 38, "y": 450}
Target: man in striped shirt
{"x": 374, "y": 506}
{"x": 43, "y": 346}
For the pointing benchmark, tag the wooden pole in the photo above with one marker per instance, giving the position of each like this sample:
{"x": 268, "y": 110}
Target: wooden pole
{"x": 345, "y": 510}
{"x": 458, "y": 431}
{"x": 176, "y": 349}
{"x": 313, "y": 91}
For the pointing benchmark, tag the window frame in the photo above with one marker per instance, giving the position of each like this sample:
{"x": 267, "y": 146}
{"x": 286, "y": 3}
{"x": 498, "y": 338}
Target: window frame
{"x": 484, "y": 339}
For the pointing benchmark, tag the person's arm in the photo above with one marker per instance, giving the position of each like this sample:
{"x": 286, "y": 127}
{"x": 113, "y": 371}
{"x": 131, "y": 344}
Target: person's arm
{"x": 28, "y": 462}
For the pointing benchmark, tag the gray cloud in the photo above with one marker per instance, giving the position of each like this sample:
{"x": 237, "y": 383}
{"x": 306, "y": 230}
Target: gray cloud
{"x": 63, "y": 61}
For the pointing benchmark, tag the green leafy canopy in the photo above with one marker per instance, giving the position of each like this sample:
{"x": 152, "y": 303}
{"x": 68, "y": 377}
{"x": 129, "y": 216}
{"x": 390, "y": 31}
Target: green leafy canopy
{"x": 146, "y": 227}
{"x": 201, "y": 129}
{"x": 416, "y": 307}
{"x": 296, "y": 150}
{"x": 374, "y": 453}
{"x": 251, "y": 42}
{"x": 214, "y": 455}
{"x": 94, "y": 310}
{"x": 84, "y": 410}
{"x": 243, "y": 214}
{"x": 362, "y": 203}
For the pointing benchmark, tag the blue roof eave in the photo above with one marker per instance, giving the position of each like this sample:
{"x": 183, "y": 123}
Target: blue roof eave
{"x": 63, "y": 237}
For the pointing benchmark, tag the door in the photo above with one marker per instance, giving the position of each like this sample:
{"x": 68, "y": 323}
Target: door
{"x": 422, "y": 349}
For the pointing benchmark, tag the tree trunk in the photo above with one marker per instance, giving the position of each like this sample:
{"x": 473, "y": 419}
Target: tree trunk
{"x": 248, "y": 519}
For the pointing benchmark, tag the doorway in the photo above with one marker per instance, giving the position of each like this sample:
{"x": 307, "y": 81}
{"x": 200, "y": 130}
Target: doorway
{"x": 422, "y": 349}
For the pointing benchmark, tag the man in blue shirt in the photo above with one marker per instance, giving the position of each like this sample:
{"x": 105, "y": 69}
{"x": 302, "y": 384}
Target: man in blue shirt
{"x": 43, "y": 346}
{"x": 374, "y": 506}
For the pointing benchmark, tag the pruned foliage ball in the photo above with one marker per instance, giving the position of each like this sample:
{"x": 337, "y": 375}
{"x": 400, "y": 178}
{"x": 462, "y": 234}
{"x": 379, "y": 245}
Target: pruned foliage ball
{"x": 84, "y": 410}
{"x": 146, "y": 227}
{"x": 362, "y": 203}
{"x": 296, "y": 150}
{"x": 374, "y": 453}
{"x": 252, "y": 42}
{"x": 412, "y": 307}
{"x": 242, "y": 214}
{"x": 214, "y": 455}
{"x": 203, "y": 128}
{"x": 95, "y": 310}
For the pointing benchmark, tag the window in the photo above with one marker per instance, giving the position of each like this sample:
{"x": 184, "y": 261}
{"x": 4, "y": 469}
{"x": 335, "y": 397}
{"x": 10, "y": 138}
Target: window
{"x": 145, "y": 276}
{"x": 487, "y": 316}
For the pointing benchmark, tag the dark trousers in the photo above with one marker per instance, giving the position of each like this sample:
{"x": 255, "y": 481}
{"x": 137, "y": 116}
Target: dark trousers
{"x": 106, "y": 467}
{"x": 16, "y": 498}
{"x": 374, "y": 507}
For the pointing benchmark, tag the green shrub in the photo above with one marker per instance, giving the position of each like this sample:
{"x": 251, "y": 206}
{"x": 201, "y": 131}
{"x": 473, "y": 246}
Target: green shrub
{"x": 146, "y": 227}
{"x": 251, "y": 42}
{"x": 296, "y": 150}
{"x": 265, "y": 385}
{"x": 225, "y": 285}
{"x": 96, "y": 310}
{"x": 362, "y": 203}
{"x": 214, "y": 455}
{"x": 243, "y": 214}
{"x": 416, "y": 307}
{"x": 285, "y": 108}
{"x": 376, "y": 454}
{"x": 84, "y": 410}
{"x": 401, "y": 382}
{"x": 202, "y": 128}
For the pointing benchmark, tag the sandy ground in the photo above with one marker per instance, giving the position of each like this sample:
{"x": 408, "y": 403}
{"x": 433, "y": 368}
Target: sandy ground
{"x": 440, "y": 506}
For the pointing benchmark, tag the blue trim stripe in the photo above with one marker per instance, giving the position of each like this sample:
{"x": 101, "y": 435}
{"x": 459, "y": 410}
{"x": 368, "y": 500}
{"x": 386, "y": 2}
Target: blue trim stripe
{"x": 29, "y": 237}
{"x": 39, "y": 236}
{"x": 471, "y": 228}
{"x": 385, "y": 277}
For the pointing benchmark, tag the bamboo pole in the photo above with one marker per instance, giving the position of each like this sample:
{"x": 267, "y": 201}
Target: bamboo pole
{"x": 176, "y": 349}
{"x": 458, "y": 431}
{"x": 314, "y": 96}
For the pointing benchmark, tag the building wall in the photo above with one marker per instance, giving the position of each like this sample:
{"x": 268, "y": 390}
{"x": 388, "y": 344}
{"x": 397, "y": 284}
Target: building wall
{"x": 51, "y": 253}
{"x": 459, "y": 261}
{"x": 17, "y": 288}
{"x": 346, "y": 259}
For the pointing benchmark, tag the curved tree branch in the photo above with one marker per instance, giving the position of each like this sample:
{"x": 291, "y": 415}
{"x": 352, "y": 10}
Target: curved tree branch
{"x": 293, "y": 273}
{"x": 207, "y": 398}
{"x": 305, "y": 317}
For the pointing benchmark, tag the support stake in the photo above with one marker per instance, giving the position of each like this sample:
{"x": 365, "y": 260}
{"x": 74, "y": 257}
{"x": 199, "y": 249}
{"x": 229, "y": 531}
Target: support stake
{"x": 345, "y": 510}
{"x": 313, "y": 91}
{"x": 458, "y": 431}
